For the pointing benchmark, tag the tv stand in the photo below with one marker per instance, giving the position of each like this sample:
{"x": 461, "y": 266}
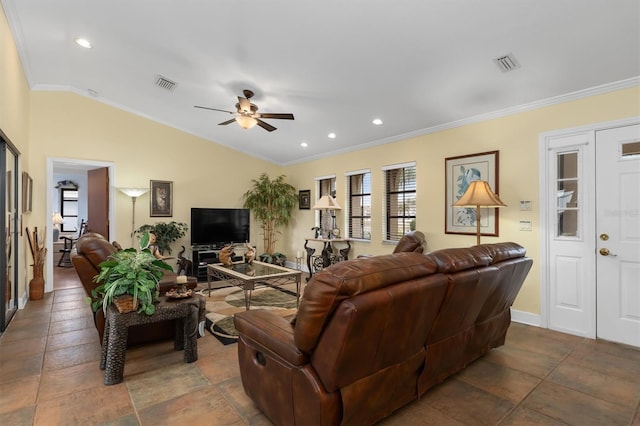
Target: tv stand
{"x": 203, "y": 254}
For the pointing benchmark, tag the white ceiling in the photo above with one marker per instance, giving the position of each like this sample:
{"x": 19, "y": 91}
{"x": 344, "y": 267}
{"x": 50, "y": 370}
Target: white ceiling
{"x": 419, "y": 65}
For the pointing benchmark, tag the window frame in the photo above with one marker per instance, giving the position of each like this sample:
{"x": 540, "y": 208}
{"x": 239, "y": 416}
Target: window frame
{"x": 404, "y": 168}
{"x": 362, "y": 195}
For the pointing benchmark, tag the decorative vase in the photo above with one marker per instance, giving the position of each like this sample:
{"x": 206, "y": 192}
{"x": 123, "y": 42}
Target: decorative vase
{"x": 36, "y": 285}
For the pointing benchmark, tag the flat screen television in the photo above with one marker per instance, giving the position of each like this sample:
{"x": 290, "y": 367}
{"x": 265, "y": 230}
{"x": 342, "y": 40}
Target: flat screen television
{"x": 213, "y": 226}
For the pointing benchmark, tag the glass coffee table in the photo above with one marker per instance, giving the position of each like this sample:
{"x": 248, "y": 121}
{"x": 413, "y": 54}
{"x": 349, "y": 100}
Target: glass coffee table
{"x": 249, "y": 276}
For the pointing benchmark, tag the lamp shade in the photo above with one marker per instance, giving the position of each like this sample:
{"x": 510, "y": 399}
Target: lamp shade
{"x": 326, "y": 202}
{"x": 479, "y": 193}
{"x": 246, "y": 122}
{"x": 57, "y": 219}
{"x": 134, "y": 192}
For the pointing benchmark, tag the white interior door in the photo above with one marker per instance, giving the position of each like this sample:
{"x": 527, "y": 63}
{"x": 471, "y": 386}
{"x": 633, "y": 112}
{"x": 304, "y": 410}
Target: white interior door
{"x": 569, "y": 233}
{"x": 618, "y": 234}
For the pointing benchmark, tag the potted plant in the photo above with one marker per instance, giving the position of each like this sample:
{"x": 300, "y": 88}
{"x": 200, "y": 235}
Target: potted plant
{"x": 166, "y": 233}
{"x": 271, "y": 202}
{"x": 133, "y": 273}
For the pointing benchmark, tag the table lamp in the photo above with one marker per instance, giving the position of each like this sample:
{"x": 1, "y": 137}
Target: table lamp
{"x": 479, "y": 194}
{"x": 327, "y": 202}
{"x": 57, "y": 221}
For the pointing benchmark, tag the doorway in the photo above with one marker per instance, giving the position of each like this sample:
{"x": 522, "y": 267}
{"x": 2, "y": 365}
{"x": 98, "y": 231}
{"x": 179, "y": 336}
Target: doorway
{"x": 80, "y": 167}
{"x": 590, "y": 217}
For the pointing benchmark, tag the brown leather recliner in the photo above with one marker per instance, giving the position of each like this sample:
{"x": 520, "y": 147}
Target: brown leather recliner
{"x": 92, "y": 249}
{"x": 373, "y": 334}
{"x": 412, "y": 241}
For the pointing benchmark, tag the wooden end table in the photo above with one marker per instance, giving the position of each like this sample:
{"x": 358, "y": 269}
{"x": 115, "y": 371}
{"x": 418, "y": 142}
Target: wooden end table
{"x": 187, "y": 311}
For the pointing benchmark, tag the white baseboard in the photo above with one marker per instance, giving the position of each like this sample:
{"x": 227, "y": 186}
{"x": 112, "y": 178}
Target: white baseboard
{"x": 526, "y": 318}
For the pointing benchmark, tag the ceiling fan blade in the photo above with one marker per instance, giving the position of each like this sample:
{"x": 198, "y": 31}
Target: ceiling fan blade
{"x": 244, "y": 103}
{"x": 268, "y": 127}
{"x": 286, "y": 116}
{"x": 214, "y": 109}
{"x": 224, "y": 123}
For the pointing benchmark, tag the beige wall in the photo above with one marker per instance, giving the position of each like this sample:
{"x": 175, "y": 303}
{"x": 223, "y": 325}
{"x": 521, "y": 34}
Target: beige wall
{"x": 204, "y": 174}
{"x": 14, "y": 122}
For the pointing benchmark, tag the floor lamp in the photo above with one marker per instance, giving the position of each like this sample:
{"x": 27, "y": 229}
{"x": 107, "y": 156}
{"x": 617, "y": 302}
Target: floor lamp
{"x": 479, "y": 194}
{"x": 133, "y": 193}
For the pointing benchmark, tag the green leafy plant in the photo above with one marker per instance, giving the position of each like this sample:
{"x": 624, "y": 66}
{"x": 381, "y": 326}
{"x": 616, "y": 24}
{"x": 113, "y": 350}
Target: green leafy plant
{"x": 166, "y": 233}
{"x": 132, "y": 272}
{"x": 271, "y": 202}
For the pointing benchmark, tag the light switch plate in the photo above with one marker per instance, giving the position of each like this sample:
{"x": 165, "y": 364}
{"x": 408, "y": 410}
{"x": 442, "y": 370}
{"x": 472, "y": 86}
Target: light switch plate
{"x": 525, "y": 225}
{"x": 525, "y": 205}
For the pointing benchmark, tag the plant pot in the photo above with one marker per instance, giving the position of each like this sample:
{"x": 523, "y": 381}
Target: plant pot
{"x": 36, "y": 285}
{"x": 125, "y": 303}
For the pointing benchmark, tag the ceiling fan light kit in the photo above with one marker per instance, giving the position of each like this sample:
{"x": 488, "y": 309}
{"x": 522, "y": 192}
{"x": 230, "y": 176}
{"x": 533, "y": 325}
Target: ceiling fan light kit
{"x": 246, "y": 122}
{"x": 247, "y": 115}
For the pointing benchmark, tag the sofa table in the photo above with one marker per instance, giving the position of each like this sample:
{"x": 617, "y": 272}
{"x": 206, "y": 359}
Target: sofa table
{"x": 187, "y": 311}
{"x": 327, "y": 256}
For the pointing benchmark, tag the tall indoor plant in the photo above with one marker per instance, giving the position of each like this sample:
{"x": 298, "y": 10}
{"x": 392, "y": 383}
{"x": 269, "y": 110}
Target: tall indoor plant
{"x": 166, "y": 233}
{"x": 130, "y": 272}
{"x": 271, "y": 202}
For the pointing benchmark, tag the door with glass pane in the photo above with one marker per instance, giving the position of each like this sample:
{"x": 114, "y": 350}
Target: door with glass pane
{"x": 571, "y": 267}
{"x": 8, "y": 232}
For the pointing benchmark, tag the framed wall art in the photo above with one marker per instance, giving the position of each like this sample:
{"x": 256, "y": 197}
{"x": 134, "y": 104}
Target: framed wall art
{"x": 27, "y": 193}
{"x": 459, "y": 172}
{"x": 304, "y": 199}
{"x": 161, "y": 198}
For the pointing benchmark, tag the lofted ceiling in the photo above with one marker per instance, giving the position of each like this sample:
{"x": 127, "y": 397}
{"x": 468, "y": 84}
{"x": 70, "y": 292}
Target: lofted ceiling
{"x": 418, "y": 65}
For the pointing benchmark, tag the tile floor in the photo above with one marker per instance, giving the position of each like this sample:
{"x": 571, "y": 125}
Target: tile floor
{"x": 49, "y": 375}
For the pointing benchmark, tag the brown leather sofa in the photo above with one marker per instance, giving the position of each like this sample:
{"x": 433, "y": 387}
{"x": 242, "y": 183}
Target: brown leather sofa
{"x": 92, "y": 249}
{"x": 373, "y": 334}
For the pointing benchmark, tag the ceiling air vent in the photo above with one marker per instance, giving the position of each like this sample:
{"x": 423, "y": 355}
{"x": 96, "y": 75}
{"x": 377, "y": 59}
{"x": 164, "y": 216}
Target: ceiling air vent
{"x": 165, "y": 83}
{"x": 507, "y": 63}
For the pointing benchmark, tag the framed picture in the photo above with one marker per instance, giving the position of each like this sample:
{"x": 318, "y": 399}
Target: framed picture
{"x": 161, "y": 198}
{"x": 27, "y": 193}
{"x": 304, "y": 199}
{"x": 459, "y": 172}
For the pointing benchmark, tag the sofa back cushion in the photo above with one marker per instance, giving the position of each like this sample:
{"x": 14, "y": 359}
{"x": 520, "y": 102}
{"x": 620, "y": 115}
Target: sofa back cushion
{"x": 328, "y": 288}
{"x": 378, "y": 329}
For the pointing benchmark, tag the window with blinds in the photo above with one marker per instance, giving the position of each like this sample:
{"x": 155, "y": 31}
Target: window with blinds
{"x": 400, "y": 194}
{"x": 359, "y": 199}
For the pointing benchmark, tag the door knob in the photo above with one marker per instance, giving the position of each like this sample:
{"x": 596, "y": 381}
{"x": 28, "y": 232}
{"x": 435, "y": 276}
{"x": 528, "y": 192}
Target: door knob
{"x": 606, "y": 252}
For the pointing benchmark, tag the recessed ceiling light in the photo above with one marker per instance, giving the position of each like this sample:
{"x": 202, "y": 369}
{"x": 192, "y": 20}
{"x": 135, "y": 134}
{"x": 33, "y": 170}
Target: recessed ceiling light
{"x": 377, "y": 121}
{"x": 331, "y": 135}
{"x": 304, "y": 144}
{"x": 84, "y": 43}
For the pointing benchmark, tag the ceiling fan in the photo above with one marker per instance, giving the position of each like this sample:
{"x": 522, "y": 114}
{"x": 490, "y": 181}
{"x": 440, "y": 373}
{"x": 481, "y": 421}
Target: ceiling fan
{"x": 247, "y": 115}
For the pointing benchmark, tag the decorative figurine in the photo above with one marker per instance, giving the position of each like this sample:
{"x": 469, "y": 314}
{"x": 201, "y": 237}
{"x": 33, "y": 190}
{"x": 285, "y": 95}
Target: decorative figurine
{"x": 317, "y": 230}
{"x": 250, "y": 254}
{"x": 226, "y": 255}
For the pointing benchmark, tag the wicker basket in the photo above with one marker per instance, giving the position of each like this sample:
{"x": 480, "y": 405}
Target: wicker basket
{"x": 125, "y": 303}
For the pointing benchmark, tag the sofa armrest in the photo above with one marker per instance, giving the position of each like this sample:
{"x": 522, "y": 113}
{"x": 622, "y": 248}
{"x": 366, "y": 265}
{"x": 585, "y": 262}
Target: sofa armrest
{"x": 272, "y": 332}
